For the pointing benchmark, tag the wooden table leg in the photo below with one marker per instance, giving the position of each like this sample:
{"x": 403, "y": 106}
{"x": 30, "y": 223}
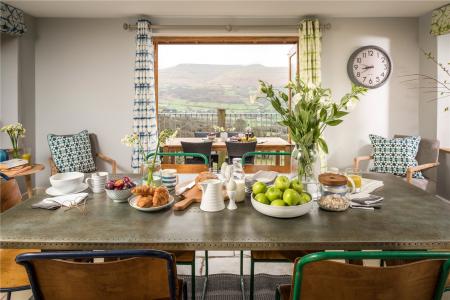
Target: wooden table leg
{"x": 29, "y": 185}
{"x": 287, "y": 159}
{"x": 277, "y": 160}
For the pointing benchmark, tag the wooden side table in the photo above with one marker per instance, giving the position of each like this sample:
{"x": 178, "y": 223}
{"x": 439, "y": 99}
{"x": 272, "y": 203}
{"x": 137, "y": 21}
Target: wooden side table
{"x": 27, "y": 174}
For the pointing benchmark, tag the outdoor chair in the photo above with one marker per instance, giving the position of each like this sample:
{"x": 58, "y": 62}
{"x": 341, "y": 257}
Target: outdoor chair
{"x": 202, "y": 148}
{"x": 135, "y": 274}
{"x": 13, "y": 277}
{"x": 427, "y": 158}
{"x": 317, "y": 277}
{"x": 238, "y": 149}
{"x": 95, "y": 154}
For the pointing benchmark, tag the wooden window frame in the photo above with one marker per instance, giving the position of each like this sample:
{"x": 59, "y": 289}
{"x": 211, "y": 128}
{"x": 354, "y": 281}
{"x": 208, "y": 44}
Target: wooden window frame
{"x": 215, "y": 40}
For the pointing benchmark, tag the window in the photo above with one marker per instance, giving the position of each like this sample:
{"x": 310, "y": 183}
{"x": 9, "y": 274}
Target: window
{"x": 197, "y": 80}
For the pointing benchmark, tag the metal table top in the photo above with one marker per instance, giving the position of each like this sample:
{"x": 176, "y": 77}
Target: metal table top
{"x": 409, "y": 219}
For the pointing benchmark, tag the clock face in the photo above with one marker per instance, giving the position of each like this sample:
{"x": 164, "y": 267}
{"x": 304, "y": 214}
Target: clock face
{"x": 369, "y": 66}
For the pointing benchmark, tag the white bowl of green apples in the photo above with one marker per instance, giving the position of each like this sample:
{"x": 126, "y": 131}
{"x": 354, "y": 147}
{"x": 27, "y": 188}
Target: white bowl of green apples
{"x": 284, "y": 199}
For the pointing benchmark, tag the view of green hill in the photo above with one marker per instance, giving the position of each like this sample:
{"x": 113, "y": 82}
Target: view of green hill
{"x": 204, "y": 88}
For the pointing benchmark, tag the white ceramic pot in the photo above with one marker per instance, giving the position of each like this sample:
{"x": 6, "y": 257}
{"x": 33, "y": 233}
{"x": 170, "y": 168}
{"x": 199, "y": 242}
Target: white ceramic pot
{"x": 282, "y": 211}
{"x": 68, "y": 182}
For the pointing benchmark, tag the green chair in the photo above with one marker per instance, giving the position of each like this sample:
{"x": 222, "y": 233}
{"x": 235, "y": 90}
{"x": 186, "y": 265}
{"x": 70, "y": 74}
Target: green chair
{"x": 316, "y": 276}
{"x": 187, "y": 257}
{"x": 268, "y": 256}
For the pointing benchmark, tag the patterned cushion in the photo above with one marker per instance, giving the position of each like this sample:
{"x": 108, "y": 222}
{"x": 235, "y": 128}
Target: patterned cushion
{"x": 396, "y": 155}
{"x": 72, "y": 152}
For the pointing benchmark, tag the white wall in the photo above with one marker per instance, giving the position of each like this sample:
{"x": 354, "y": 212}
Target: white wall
{"x": 387, "y": 110}
{"x": 443, "y": 119}
{"x": 84, "y": 80}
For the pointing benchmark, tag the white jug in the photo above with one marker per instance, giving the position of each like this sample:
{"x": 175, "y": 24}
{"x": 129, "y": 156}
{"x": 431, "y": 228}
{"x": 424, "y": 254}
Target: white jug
{"x": 212, "y": 197}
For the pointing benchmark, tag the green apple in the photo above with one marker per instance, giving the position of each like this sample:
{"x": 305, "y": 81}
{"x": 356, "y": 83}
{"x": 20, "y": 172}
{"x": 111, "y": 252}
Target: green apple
{"x": 259, "y": 187}
{"x": 262, "y": 198}
{"x": 273, "y": 193}
{"x": 305, "y": 198}
{"x": 297, "y": 185}
{"x": 282, "y": 183}
{"x": 278, "y": 202}
{"x": 291, "y": 197}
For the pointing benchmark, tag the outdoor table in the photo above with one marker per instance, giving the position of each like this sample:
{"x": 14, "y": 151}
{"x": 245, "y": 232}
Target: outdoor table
{"x": 409, "y": 219}
{"x": 268, "y": 144}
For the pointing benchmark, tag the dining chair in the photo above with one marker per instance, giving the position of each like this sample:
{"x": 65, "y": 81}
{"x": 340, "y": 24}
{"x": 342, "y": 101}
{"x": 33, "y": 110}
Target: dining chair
{"x": 427, "y": 158}
{"x": 95, "y": 154}
{"x": 253, "y": 168}
{"x": 13, "y": 277}
{"x": 135, "y": 274}
{"x": 187, "y": 257}
{"x": 238, "y": 149}
{"x": 183, "y": 168}
{"x": 317, "y": 277}
{"x": 261, "y": 256}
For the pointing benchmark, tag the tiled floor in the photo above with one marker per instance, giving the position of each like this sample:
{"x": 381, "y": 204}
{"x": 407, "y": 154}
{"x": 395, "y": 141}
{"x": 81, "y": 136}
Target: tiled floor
{"x": 221, "y": 262}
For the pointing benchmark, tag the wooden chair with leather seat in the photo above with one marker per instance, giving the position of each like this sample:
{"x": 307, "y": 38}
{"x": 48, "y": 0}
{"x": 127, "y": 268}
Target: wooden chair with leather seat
{"x": 316, "y": 276}
{"x": 95, "y": 154}
{"x": 427, "y": 158}
{"x": 188, "y": 257}
{"x": 13, "y": 277}
{"x": 135, "y": 274}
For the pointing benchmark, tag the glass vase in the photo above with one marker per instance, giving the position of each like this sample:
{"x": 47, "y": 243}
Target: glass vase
{"x": 305, "y": 164}
{"x": 152, "y": 175}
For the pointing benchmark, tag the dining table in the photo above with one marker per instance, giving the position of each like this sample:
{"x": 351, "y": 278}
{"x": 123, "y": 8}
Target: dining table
{"x": 275, "y": 144}
{"x": 409, "y": 219}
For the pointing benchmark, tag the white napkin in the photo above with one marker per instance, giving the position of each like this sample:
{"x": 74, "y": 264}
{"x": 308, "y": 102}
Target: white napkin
{"x": 65, "y": 200}
{"x": 370, "y": 185}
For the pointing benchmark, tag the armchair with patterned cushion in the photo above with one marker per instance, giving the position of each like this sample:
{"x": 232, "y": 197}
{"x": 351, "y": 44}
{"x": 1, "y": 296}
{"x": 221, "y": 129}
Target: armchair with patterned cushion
{"x": 427, "y": 159}
{"x": 76, "y": 152}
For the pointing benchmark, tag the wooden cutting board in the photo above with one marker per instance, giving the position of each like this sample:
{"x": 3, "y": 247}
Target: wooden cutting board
{"x": 193, "y": 195}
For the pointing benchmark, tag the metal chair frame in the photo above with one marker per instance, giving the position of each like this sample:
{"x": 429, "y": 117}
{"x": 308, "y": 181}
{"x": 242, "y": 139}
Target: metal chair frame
{"x": 252, "y": 261}
{"x": 358, "y": 255}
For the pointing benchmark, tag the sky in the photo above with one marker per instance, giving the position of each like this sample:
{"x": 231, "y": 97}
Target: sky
{"x": 267, "y": 55}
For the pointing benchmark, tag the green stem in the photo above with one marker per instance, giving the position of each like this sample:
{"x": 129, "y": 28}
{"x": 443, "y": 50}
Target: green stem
{"x": 152, "y": 166}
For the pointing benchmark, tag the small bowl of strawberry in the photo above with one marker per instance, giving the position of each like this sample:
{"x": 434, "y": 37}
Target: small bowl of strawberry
{"x": 119, "y": 190}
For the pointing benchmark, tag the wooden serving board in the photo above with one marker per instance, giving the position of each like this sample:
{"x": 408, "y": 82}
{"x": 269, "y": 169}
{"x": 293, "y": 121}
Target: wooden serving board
{"x": 193, "y": 195}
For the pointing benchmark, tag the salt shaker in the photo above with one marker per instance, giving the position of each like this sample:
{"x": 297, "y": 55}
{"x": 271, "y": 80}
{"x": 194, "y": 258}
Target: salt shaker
{"x": 231, "y": 191}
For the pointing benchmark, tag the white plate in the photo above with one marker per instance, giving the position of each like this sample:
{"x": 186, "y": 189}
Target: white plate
{"x": 132, "y": 202}
{"x": 54, "y": 192}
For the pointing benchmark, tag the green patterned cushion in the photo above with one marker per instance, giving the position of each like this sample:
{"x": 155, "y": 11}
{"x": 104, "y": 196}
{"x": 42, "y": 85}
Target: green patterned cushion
{"x": 395, "y": 156}
{"x": 72, "y": 152}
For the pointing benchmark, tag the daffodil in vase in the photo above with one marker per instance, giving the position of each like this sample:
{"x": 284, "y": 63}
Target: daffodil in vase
{"x": 150, "y": 157}
{"x": 312, "y": 111}
{"x": 15, "y": 132}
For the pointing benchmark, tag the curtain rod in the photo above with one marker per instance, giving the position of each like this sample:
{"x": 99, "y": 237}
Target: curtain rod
{"x": 229, "y": 28}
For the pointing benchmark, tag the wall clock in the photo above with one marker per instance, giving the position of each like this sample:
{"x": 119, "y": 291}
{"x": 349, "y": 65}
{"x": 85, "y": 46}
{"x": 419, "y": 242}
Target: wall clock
{"x": 369, "y": 66}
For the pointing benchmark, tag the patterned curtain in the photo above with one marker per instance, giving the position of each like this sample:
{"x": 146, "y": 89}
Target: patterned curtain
{"x": 144, "y": 111}
{"x": 11, "y": 20}
{"x": 309, "y": 51}
{"x": 440, "y": 21}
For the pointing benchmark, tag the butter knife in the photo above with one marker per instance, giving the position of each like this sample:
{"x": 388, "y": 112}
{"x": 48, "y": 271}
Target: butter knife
{"x": 185, "y": 188}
